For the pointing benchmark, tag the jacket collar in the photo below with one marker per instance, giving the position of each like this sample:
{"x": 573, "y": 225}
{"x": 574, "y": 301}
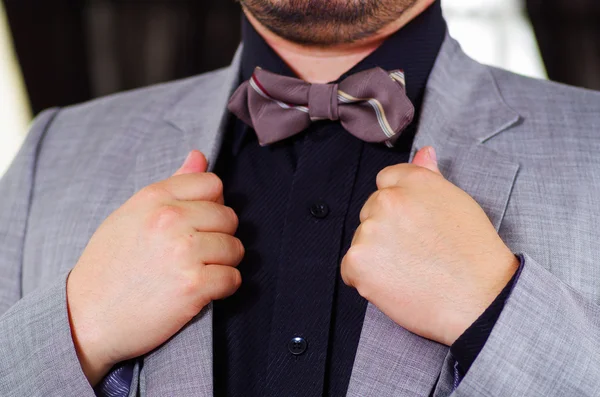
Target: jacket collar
{"x": 462, "y": 97}
{"x": 459, "y": 95}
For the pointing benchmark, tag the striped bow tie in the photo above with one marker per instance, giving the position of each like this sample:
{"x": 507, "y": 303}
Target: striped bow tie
{"x": 371, "y": 105}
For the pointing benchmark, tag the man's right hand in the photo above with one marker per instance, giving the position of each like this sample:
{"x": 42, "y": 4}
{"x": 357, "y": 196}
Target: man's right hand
{"x": 151, "y": 267}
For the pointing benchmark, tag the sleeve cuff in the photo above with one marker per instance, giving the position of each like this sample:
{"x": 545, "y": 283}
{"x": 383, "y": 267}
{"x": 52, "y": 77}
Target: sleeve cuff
{"x": 37, "y": 354}
{"x": 545, "y": 342}
{"x": 467, "y": 347}
{"x": 118, "y": 382}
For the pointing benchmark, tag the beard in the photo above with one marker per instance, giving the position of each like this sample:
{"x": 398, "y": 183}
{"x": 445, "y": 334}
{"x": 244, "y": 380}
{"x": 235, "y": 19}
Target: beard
{"x": 326, "y": 22}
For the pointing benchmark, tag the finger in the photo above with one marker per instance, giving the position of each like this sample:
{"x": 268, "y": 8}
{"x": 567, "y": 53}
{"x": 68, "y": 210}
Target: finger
{"x": 195, "y": 162}
{"x": 390, "y": 176}
{"x": 348, "y": 267}
{"x": 367, "y": 209}
{"x": 345, "y": 273}
{"x": 207, "y": 216}
{"x": 219, "y": 249}
{"x": 358, "y": 235}
{"x": 194, "y": 186}
{"x": 352, "y": 266}
{"x": 367, "y": 232}
{"x": 404, "y": 175}
{"x": 221, "y": 281}
{"x": 427, "y": 158}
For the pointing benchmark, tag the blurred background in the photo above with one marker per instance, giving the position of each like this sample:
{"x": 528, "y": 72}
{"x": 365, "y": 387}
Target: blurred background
{"x": 60, "y": 52}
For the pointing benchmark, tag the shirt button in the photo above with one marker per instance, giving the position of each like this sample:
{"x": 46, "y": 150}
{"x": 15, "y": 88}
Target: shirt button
{"x": 297, "y": 346}
{"x": 319, "y": 210}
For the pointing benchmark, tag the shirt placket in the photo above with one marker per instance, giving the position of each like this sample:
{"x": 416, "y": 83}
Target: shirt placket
{"x": 309, "y": 261}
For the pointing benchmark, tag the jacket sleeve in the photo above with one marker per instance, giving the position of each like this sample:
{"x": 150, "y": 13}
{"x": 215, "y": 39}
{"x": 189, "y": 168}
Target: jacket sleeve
{"x": 37, "y": 355}
{"x": 546, "y": 342}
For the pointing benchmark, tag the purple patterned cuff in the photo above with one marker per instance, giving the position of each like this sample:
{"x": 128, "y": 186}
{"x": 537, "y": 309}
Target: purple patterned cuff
{"x": 118, "y": 382}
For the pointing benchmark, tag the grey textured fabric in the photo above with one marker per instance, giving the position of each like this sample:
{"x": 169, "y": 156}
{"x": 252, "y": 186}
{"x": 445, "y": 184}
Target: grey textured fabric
{"x": 526, "y": 150}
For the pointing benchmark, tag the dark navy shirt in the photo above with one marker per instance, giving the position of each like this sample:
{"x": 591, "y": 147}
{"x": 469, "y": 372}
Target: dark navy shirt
{"x": 293, "y": 327}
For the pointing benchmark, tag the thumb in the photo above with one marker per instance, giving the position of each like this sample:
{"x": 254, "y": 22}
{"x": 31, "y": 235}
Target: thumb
{"x": 427, "y": 158}
{"x": 195, "y": 162}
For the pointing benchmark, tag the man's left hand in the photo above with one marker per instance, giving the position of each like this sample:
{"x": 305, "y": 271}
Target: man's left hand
{"x": 426, "y": 254}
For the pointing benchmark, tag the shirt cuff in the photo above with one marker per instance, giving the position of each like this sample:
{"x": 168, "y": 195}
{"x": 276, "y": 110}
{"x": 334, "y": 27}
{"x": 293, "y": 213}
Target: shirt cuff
{"x": 468, "y": 346}
{"x": 118, "y": 382}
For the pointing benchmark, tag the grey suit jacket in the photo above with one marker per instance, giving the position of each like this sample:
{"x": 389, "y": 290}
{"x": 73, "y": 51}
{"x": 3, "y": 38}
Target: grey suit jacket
{"x": 526, "y": 150}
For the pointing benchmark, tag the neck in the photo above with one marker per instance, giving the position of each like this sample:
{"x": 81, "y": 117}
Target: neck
{"x": 325, "y": 64}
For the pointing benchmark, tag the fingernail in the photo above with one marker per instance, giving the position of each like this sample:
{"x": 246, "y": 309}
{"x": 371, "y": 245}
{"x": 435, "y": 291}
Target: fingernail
{"x": 432, "y": 154}
{"x": 189, "y": 156}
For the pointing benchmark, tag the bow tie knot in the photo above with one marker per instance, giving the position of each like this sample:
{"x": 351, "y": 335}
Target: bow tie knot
{"x": 371, "y": 105}
{"x": 323, "y": 103}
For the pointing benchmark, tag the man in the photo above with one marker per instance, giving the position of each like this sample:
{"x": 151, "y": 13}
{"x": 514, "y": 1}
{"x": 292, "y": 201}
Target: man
{"x": 466, "y": 268}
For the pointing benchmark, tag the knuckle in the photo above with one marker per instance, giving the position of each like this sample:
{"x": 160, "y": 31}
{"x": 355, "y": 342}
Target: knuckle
{"x": 387, "y": 176}
{"x": 355, "y": 256}
{"x": 387, "y": 198}
{"x": 418, "y": 174}
{"x": 183, "y": 246}
{"x": 153, "y": 193}
{"x": 214, "y": 183}
{"x": 350, "y": 267}
{"x": 355, "y": 270}
{"x": 345, "y": 271}
{"x": 236, "y": 279}
{"x": 191, "y": 282}
{"x": 368, "y": 228}
{"x": 229, "y": 279}
{"x": 241, "y": 250}
{"x": 165, "y": 217}
{"x": 230, "y": 214}
{"x": 382, "y": 177}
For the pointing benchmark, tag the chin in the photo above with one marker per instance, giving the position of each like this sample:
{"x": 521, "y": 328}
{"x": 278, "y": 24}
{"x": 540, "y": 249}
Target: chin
{"x": 326, "y": 22}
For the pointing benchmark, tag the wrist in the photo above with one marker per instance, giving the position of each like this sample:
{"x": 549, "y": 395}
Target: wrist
{"x": 94, "y": 368}
{"x": 90, "y": 347}
{"x": 477, "y": 304}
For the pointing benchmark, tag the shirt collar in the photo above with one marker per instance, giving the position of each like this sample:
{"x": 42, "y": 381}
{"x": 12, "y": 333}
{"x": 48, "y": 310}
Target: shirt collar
{"x": 414, "y": 49}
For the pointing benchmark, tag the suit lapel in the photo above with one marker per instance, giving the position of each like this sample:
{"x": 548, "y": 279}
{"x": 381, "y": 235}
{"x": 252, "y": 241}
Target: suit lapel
{"x": 183, "y": 366}
{"x": 462, "y": 110}
{"x": 197, "y": 120}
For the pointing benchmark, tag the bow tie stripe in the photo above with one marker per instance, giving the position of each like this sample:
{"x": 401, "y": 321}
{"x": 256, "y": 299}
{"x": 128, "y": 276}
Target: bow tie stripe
{"x": 255, "y": 84}
{"x": 398, "y": 75}
{"x": 371, "y": 105}
{"x": 377, "y": 107}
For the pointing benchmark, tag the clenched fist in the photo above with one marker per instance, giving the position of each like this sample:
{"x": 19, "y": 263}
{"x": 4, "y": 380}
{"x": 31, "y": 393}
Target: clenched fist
{"x": 151, "y": 267}
{"x": 426, "y": 254}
